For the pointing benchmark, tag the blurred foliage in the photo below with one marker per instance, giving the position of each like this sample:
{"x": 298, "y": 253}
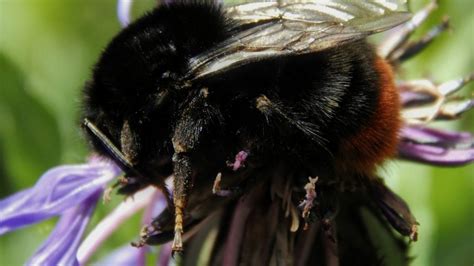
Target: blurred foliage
{"x": 47, "y": 49}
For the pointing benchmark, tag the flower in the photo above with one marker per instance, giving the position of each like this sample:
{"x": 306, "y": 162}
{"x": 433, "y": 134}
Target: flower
{"x": 58, "y": 190}
{"x": 70, "y": 191}
{"x": 423, "y": 102}
{"x": 436, "y": 147}
{"x": 73, "y": 191}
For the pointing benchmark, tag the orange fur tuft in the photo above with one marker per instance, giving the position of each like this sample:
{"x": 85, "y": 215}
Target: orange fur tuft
{"x": 378, "y": 140}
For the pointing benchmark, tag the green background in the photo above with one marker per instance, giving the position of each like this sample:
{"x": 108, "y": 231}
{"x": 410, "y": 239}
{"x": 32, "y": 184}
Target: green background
{"x": 47, "y": 49}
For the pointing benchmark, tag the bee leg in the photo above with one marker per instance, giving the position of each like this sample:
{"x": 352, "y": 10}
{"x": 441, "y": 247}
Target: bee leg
{"x": 107, "y": 196}
{"x": 436, "y": 103}
{"x": 403, "y": 32}
{"x": 182, "y": 183}
{"x": 411, "y": 49}
{"x": 130, "y": 185}
{"x": 195, "y": 120}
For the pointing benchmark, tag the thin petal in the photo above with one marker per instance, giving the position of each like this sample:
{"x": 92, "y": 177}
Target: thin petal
{"x": 123, "y": 256}
{"x": 435, "y": 155}
{"x": 164, "y": 258}
{"x": 395, "y": 209}
{"x": 422, "y": 134}
{"x": 123, "y": 12}
{"x": 109, "y": 224}
{"x": 61, "y": 246}
{"x": 57, "y": 190}
{"x": 436, "y": 146}
{"x": 411, "y": 97}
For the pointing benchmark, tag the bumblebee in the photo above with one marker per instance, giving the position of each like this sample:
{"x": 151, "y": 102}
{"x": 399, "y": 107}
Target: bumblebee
{"x": 292, "y": 88}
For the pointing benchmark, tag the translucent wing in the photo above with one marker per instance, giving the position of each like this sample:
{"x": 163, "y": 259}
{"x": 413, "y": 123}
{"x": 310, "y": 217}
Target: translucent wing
{"x": 271, "y": 29}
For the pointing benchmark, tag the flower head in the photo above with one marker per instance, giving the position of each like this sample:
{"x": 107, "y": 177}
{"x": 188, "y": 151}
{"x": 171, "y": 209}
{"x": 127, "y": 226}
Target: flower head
{"x": 72, "y": 191}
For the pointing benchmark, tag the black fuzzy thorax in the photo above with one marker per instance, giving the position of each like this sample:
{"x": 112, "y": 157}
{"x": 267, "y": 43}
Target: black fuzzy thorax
{"x": 317, "y": 99}
{"x": 142, "y": 61}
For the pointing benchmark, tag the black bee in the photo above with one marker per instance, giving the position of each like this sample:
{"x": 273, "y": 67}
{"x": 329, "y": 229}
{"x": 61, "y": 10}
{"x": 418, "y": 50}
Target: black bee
{"x": 293, "y": 85}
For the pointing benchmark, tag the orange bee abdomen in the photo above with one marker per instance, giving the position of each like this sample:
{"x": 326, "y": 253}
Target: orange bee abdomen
{"x": 377, "y": 140}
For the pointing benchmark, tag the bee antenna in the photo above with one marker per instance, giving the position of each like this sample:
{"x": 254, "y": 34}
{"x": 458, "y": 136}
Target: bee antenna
{"x": 110, "y": 148}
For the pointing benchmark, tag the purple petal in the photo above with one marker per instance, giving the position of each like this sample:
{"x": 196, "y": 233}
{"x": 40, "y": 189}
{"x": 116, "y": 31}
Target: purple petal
{"x": 235, "y": 235}
{"x": 435, "y": 155}
{"x": 123, "y": 12}
{"x": 57, "y": 190}
{"x": 123, "y": 256}
{"x": 164, "y": 258}
{"x": 422, "y": 134}
{"x": 157, "y": 205}
{"x": 435, "y": 146}
{"x": 61, "y": 246}
{"x": 411, "y": 97}
{"x": 109, "y": 224}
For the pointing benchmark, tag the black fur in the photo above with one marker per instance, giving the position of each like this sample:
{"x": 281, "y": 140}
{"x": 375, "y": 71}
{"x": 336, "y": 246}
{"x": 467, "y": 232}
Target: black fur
{"x": 316, "y": 99}
{"x": 292, "y": 110}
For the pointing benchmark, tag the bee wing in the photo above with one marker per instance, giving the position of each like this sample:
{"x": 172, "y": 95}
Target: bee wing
{"x": 272, "y": 29}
